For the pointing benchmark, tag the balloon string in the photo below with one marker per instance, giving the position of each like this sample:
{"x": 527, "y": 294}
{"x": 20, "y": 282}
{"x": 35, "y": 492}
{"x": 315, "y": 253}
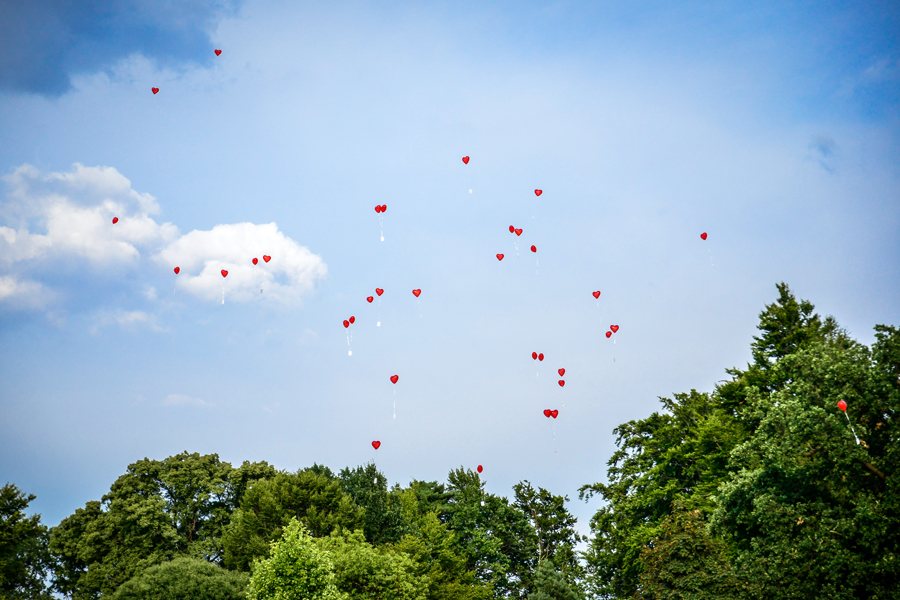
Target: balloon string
{"x": 851, "y": 428}
{"x": 223, "y": 294}
{"x": 553, "y": 431}
{"x": 516, "y": 244}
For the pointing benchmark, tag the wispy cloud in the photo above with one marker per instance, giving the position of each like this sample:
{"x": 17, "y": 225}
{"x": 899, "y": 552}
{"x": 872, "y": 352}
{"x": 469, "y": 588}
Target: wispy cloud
{"x": 128, "y": 320}
{"x": 182, "y": 400}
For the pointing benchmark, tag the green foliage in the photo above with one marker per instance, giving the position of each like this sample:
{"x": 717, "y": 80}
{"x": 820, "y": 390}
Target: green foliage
{"x": 364, "y": 572}
{"x": 312, "y": 496}
{"x": 156, "y": 511}
{"x": 683, "y": 561}
{"x": 382, "y": 512}
{"x": 296, "y": 569}
{"x": 680, "y": 455}
{"x": 807, "y": 511}
{"x": 184, "y": 579}
{"x": 24, "y": 556}
{"x": 550, "y": 584}
{"x": 553, "y": 525}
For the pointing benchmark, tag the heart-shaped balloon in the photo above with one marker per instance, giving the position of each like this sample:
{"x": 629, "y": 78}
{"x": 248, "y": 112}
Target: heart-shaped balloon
{"x": 561, "y": 372}
{"x": 538, "y": 192}
{"x": 394, "y": 378}
{"x": 255, "y": 261}
{"x": 479, "y": 468}
{"x": 224, "y": 273}
{"x": 499, "y": 257}
{"x": 369, "y": 299}
{"x": 554, "y": 413}
{"x": 842, "y": 405}
{"x": 352, "y": 320}
{"x": 379, "y": 291}
{"x": 609, "y": 334}
{"x": 547, "y": 412}
{"x": 115, "y": 220}
{"x": 561, "y": 383}
{"x": 518, "y": 232}
{"x": 378, "y": 208}
{"x": 416, "y": 292}
{"x": 534, "y": 355}
{"x": 614, "y": 328}
{"x": 346, "y": 323}
{"x": 177, "y": 270}
{"x": 596, "y": 294}
{"x": 154, "y": 90}
{"x": 218, "y": 52}
{"x": 384, "y": 208}
{"x": 376, "y": 444}
{"x": 267, "y": 258}
{"x": 511, "y": 229}
{"x": 465, "y": 159}
{"x": 703, "y": 236}
{"x": 541, "y": 357}
{"x": 534, "y": 248}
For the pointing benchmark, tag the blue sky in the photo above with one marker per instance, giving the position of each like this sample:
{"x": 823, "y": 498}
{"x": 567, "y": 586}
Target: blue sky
{"x": 774, "y": 129}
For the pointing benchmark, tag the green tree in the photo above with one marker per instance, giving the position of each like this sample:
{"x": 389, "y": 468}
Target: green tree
{"x": 24, "y": 556}
{"x": 156, "y": 511}
{"x": 496, "y": 539}
{"x": 185, "y": 579}
{"x": 313, "y": 496}
{"x": 364, "y": 572}
{"x": 808, "y": 512}
{"x": 550, "y": 584}
{"x": 684, "y": 562}
{"x": 383, "y": 515}
{"x": 297, "y": 569}
{"x": 554, "y": 527}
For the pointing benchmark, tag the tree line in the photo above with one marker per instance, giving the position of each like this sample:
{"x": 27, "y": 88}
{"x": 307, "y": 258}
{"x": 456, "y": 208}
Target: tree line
{"x": 762, "y": 488}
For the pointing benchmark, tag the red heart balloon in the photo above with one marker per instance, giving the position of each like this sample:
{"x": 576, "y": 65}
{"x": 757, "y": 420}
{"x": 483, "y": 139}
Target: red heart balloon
{"x": 562, "y": 383}
{"x": 346, "y": 323}
{"x": 609, "y": 334}
{"x": 541, "y": 357}
{"x": 379, "y": 291}
{"x": 614, "y": 328}
{"x": 416, "y": 292}
{"x": 394, "y": 378}
{"x": 267, "y": 258}
{"x": 384, "y": 208}
{"x": 534, "y": 355}
{"x": 534, "y": 248}
{"x": 547, "y": 412}
{"x": 703, "y": 236}
{"x": 842, "y": 405}
{"x": 511, "y": 229}
{"x": 499, "y": 257}
{"x": 224, "y": 273}
{"x": 154, "y": 90}
{"x": 378, "y": 208}
{"x": 561, "y": 372}
{"x": 538, "y": 192}
{"x": 352, "y": 319}
{"x": 115, "y": 220}
{"x": 466, "y": 159}
{"x": 255, "y": 261}
{"x": 177, "y": 270}
{"x": 376, "y": 444}
{"x": 597, "y": 294}
{"x": 369, "y": 299}
{"x": 554, "y": 413}
{"x": 518, "y": 232}
{"x": 218, "y": 52}
{"x": 480, "y": 469}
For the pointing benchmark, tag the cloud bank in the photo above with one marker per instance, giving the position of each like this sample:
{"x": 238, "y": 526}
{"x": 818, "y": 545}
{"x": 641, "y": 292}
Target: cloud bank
{"x": 49, "y": 219}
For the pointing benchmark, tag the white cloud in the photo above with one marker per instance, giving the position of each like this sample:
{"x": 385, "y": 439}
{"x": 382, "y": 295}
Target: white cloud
{"x": 23, "y": 294}
{"x": 202, "y": 255}
{"x": 75, "y": 210}
{"x": 182, "y": 400}
{"x": 130, "y": 320}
